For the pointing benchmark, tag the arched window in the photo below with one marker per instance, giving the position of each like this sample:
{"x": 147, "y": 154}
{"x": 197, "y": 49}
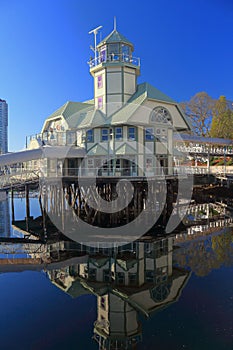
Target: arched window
{"x": 160, "y": 293}
{"x": 161, "y": 115}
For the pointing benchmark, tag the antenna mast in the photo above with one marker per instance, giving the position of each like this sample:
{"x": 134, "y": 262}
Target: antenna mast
{"x": 95, "y": 31}
{"x": 115, "y": 23}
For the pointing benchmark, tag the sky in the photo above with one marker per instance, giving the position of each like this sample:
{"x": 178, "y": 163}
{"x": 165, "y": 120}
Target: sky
{"x": 185, "y": 47}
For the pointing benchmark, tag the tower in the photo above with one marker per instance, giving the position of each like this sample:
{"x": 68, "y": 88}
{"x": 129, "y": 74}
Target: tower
{"x": 115, "y": 72}
{"x": 3, "y": 127}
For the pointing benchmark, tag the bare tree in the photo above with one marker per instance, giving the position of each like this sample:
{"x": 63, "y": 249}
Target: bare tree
{"x": 200, "y": 111}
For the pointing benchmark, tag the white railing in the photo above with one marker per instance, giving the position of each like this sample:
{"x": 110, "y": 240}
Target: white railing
{"x": 203, "y": 149}
{"x": 114, "y": 58}
{"x": 18, "y": 176}
{"x": 54, "y": 138}
{"x": 117, "y": 172}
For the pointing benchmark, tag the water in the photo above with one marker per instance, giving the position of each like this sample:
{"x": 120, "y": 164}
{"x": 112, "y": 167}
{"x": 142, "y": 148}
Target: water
{"x": 169, "y": 292}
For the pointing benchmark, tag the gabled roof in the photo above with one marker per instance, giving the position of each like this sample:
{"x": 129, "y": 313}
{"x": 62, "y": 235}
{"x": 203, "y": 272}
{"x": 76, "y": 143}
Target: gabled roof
{"x": 97, "y": 150}
{"x": 144, "y": 91}
{"x": 123, "y": 114}
{"x": 153, "y": 93}
{"x": 68, "y": 109}
{"x": 90, "y": 102}
{"x": 99, "y": 261}
{"x": 125, "y": 149}
{"x": 115, "y": 37}
{"x": 93, "y": 118}
{"x": 126, "y": 264}
{"x": 77, "y": 289}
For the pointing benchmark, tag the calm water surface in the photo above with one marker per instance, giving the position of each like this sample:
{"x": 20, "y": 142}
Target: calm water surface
{"x": 168, "y": 292}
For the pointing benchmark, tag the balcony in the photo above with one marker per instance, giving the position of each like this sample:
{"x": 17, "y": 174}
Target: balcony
{"x": 54, "y": 138}
{"x": 114, "y": 58}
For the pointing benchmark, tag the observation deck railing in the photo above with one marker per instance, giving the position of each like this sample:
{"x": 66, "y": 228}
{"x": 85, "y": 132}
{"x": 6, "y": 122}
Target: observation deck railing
{"x": 113, "y": 58}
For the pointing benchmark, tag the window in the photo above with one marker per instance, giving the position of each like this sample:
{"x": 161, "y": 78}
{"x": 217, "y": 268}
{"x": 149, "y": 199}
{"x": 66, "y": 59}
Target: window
{"x": 150, "y": 276}
{"x": 92, "y": 275}
{"x": 113, "y": 49}
{"x": 103, "y": 303}
{"x": 132, "y": 279}
{"x": 149, "y": 164}
{"x": 71, "y": 138}
{"x": 118, "y": 163}
{"x": 90, "y": 135}
{"x": 100, "y": 102}
{"x": 149, "y": 134}
{"x": 90, "y": 163}
{"x": 131, "y": 133}
{"x": 103, "y": 54}
{"x": 120, "y": 278}
{"x": 118, "y": 133}
{"x": 161, "y": 115}
{"x": 104, "y": 134}
{"x": 106, "y": 276}
{"x": 160, "y": 292}
{"x": 61, "y": 138}
{"x": 125, "y": 50}
{"x": 100, "y": 81}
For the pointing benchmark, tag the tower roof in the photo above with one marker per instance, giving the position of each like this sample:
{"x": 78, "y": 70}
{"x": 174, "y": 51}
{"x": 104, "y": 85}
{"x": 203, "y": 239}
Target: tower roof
{"x": 115, "y": 37}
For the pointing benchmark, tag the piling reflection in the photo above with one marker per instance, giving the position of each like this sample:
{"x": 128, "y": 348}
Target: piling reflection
{"x": 130, "y": 281}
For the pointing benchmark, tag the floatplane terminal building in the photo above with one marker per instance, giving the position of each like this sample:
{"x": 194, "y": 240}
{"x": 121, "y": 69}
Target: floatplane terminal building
{"x": 128, "y": 130}
{"x": 125, "y": 130}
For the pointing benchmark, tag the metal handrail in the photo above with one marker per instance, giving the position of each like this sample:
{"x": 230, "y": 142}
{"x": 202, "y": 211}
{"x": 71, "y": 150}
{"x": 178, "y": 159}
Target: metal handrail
{"x": 114, "y": 58}
{"x": 18, "y": 177}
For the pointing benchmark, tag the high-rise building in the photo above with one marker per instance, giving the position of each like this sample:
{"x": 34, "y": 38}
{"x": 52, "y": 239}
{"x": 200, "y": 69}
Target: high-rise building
{"x": 3, "y": 126}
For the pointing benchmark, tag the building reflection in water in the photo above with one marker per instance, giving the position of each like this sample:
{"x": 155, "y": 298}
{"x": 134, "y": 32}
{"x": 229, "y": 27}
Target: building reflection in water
{"x": 129, "y": 281}
{"x": 135, "y": 279}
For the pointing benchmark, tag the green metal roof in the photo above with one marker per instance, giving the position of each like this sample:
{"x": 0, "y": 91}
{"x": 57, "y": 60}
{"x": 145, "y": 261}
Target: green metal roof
{"x": 93, "y": 118}
{"x": 68, "y": 109}
{"x": 76, "y": 119}
{"x": 115, "y": 37}
{"x": 123, "y": 115}
{"x": 144, "y": 91}
{"x": 154, "y": 94}
{"x": 90, "y": 102}
{"x": 77, "y": 289}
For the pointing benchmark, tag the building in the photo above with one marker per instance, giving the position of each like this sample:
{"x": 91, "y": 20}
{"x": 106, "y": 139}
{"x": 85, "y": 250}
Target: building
{"x": 137, "y": 279}
{"x": 126, "y": 130}
{"x": 3, "y": 127}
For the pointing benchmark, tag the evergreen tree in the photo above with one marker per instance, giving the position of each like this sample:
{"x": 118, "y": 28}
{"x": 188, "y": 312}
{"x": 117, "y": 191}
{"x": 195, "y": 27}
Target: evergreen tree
{"x": 222, "y": 122}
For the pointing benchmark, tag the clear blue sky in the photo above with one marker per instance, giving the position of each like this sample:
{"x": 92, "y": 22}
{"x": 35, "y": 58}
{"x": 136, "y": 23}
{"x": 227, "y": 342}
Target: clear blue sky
{"x": 185, "y": 47}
